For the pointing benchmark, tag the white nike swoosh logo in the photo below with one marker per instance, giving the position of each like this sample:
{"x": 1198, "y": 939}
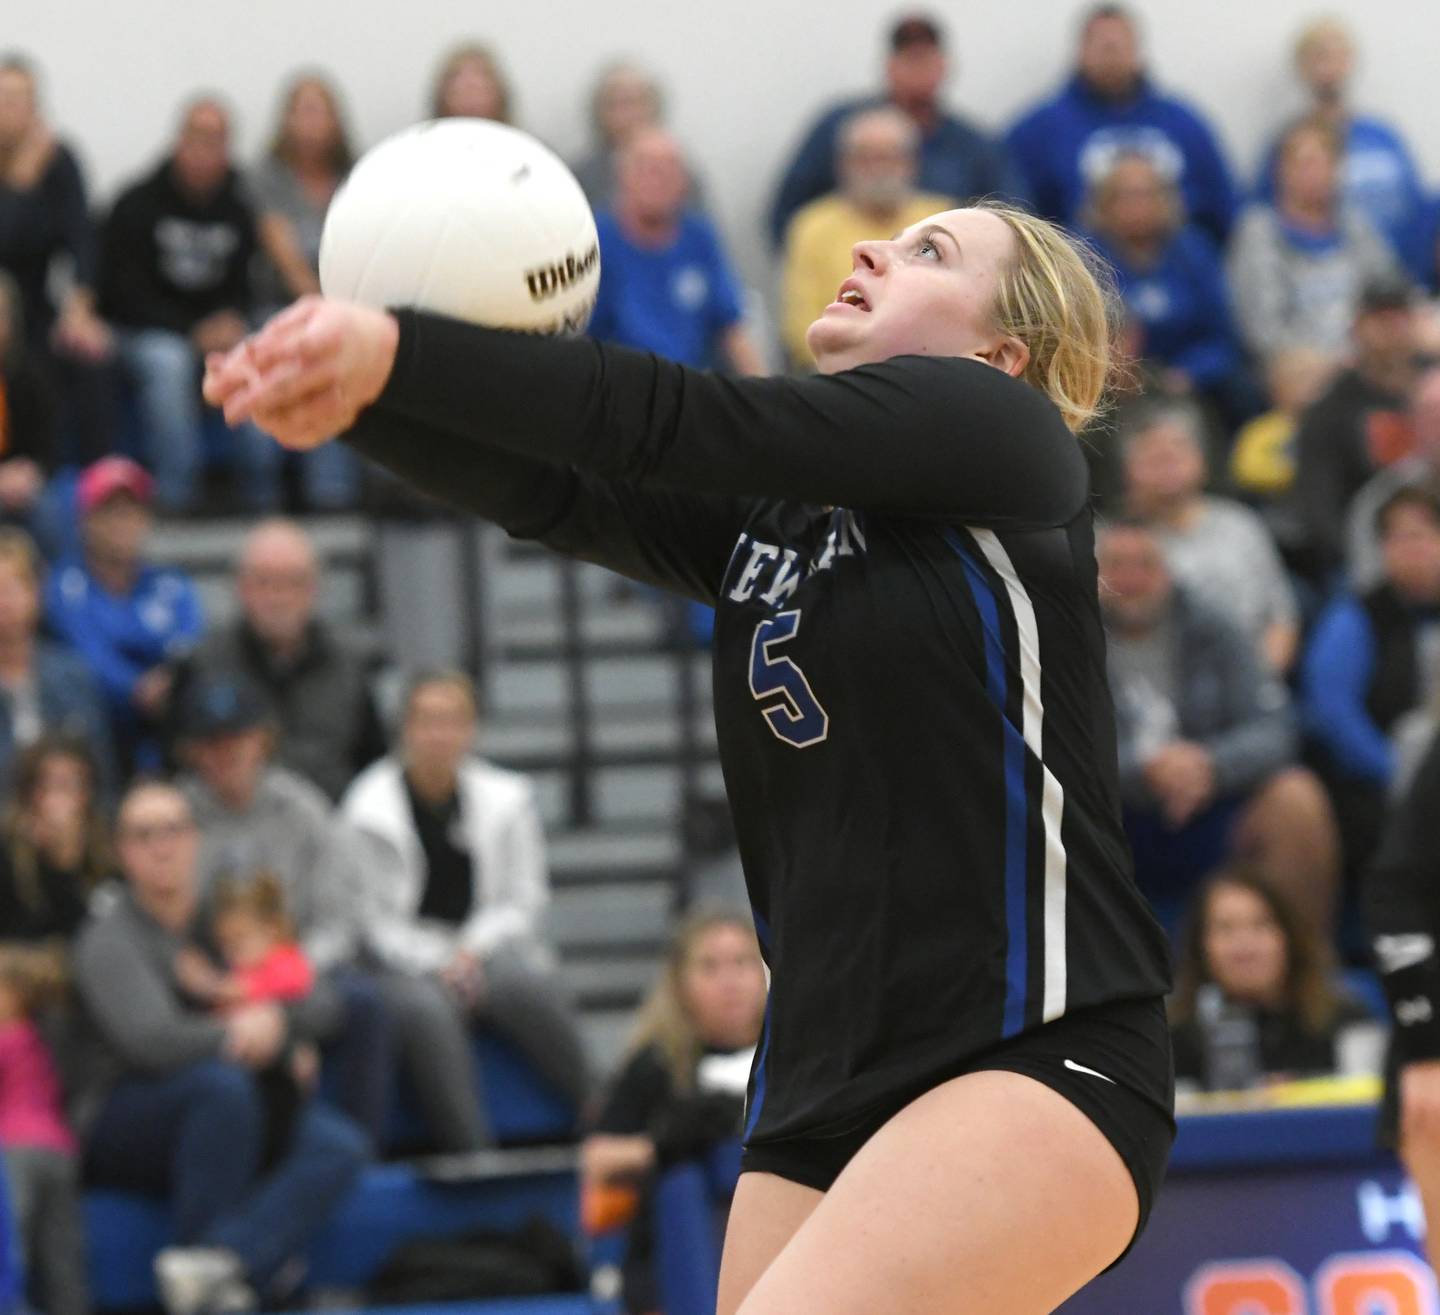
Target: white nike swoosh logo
{"x": 1080, "y": 1068}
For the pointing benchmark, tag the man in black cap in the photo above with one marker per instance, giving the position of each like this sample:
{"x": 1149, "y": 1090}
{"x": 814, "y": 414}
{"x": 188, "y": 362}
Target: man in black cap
{"x": 957, "y": 160}
{"x": 1357, "y": 427}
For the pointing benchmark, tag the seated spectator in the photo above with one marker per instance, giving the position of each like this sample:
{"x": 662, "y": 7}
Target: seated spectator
{"x": 27, "y": 420}
{"x": 1110, "y": 105}
{"x": 1378, "y": 175}
{"x": 316, "y": 686}
{"x": 1171, "y": 279}
{"x": 1402, "y": 906}
{"x": 1247, "y": 951}
{"x": 875, "y": 198}
{"x": 681, "y": 1088}
{"x": 1262, "y": 459}
{"x": 254, "y": 816}
{"x": 173, "y": 1105}
{"x": 54, "y": 842}
{"x": 176, "y": 256}
{"x": 665, "y": 284}
{"x": 1206, "y": 742}
{"x": 1298, "y": 267}
{"x": 457, "y": 859}
{"x": 470, "y": 84}
{"x": 45, "y": 223}
{"x": 1421, "y": 469}
{"x": 308, "y": 158}
{"x": 125, "y": 617}
{"x": 626, "y": 100}
{"x": 1372, "y": 669}
{"x": 38, "y": 1150}
{"x": 1218, "y": 549}
{"x": 1351, "y": 431}
{"x": 44, "y": 688}
{"x": 956, "y": 158}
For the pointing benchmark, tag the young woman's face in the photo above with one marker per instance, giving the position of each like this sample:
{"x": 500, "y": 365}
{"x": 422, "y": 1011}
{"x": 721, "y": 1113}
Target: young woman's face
{"x": 310, "y": 122}
{"x": 62, "y": 789}
{"x": 1245, "y": 946}
{"x": 928, "y": 292}
{"x": 472, "y": 91}
{"x": 439, "y": 729}
{"x": 724, "y": 988}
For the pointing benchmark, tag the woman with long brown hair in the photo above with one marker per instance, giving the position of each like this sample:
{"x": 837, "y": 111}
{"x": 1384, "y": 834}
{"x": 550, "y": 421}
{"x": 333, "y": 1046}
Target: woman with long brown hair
{"x": 681, "y": 1086}
{"x": 54, "y": 841}
{"x": 1244, "y": 946}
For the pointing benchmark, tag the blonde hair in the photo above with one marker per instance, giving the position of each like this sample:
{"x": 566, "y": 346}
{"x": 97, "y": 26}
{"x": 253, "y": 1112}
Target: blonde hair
{"x": 1319, "y": 31}
{"x": 663, "y": 1021}
{"x": 1058, "y": 297}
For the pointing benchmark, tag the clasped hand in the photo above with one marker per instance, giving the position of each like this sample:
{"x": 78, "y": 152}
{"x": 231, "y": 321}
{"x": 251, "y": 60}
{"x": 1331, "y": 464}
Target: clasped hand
{"x": 308, "y": 373}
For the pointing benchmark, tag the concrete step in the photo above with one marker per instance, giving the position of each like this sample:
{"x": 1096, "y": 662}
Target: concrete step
{"x": 582, "y": 920}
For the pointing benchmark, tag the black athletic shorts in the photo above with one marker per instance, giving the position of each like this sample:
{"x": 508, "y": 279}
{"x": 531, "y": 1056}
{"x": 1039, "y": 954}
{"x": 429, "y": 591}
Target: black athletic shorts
{"x": 1112, "y": 1062}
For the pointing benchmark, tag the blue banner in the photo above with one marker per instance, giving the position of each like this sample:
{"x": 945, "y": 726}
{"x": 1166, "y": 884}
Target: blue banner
{"x": 1300, "y": 1240}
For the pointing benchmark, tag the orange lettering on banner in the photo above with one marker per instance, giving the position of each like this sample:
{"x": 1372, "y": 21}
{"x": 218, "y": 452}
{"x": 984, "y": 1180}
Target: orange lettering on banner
{"x": 1251, "y": 1287}
{"x": 1375, "y": 1283}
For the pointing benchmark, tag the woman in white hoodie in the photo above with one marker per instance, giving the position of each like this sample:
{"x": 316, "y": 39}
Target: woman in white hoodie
{"x": 458, "y": 882}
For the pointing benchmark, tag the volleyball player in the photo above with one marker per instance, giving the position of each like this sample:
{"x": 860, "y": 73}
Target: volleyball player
{"x": 962, "y": 1098}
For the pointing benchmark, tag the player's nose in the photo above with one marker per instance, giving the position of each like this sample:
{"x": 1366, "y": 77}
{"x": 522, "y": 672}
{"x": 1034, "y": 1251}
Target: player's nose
{"x": 872, "y": 256}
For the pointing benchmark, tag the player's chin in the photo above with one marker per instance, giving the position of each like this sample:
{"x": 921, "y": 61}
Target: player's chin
{"x": 833, "y": 341}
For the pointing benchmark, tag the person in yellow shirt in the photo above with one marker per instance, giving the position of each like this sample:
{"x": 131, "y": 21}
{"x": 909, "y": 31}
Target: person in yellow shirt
{"x": 876, "y": 163}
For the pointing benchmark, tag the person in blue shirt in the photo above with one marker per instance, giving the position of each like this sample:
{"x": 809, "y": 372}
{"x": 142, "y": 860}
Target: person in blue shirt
{"x": 1173, "y": 284}
{"x": 665, "y": 284}
{"x": 1378, "y": 175}
{"x": 126, "y": 618}
{"x": 956, "y": 159}
{"x": 1109, "y": 105}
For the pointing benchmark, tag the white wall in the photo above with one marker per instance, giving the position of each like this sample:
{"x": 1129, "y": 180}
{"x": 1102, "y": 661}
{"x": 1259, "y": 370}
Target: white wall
{"x": 743, "y": 75}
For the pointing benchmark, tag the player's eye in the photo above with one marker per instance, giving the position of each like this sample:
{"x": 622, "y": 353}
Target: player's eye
{"x": 927, "y": 249}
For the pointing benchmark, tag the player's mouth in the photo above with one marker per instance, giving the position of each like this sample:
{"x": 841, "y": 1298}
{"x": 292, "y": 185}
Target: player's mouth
{"x": 850, "y": 294}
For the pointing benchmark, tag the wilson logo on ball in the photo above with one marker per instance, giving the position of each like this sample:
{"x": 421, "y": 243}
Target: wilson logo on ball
{"x": 546, "y": 281}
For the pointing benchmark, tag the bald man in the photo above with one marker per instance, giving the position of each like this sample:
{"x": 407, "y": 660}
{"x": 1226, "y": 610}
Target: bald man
{"x": 316, "y": 683}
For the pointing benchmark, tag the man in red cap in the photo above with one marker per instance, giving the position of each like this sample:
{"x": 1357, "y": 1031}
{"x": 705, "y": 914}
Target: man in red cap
{"x": 126, "y": 617}
{"x": 956, "y": 159}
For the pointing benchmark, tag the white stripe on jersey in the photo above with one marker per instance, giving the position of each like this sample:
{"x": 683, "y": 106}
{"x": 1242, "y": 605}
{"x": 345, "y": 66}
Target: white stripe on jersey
{"x": 1052, "y": 794}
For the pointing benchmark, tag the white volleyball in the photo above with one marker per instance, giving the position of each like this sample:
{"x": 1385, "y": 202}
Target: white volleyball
{"x": 466, "y": 218}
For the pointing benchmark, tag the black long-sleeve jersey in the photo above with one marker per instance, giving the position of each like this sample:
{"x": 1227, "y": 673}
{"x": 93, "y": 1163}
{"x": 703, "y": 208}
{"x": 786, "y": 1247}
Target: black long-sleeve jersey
{"x": 1402, "y": 907}
{"x": 909, "y": 669}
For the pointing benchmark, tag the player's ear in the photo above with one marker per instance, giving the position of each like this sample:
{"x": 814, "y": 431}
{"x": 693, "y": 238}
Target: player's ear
{"x": 1008, "y": 354}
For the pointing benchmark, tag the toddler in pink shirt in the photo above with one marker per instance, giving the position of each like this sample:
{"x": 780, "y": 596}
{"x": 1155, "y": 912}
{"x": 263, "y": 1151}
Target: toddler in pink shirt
{"x": 39, "y": 1149}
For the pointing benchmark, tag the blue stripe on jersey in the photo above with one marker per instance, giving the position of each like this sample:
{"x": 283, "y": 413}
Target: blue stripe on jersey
{"x": 758, "y": 1101}
{"x": 762, "y": 933}
{"x": 987, "y": 603}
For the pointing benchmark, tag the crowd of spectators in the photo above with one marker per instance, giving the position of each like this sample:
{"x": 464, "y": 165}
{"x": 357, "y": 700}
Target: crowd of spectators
{"x": 256, "y": 893}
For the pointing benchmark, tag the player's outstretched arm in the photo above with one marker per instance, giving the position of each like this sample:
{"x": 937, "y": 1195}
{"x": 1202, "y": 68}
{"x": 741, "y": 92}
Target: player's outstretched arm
{"x": 952, "y": 438}
{"x": 936, "y": 436}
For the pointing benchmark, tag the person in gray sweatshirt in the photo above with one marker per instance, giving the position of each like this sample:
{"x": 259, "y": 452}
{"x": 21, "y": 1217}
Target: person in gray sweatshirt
{"x": 255, "y": 816}
{"x": 171, "y": 1100}
{"x": 1297, "y": 268}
